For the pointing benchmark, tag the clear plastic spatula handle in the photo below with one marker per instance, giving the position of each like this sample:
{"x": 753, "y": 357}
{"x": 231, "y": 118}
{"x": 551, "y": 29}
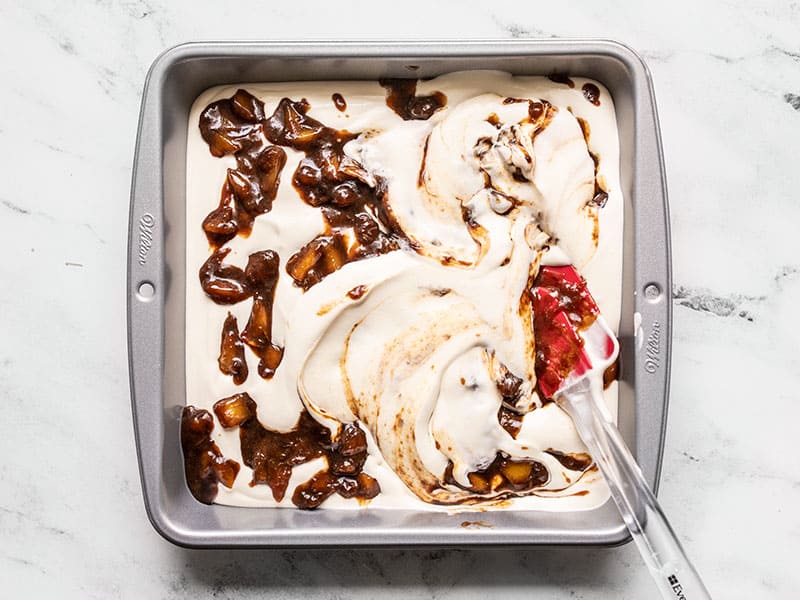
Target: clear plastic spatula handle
{"x": 674, "y": 575}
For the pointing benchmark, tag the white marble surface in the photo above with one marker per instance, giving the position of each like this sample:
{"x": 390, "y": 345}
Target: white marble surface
{"x": 72, "y": 523}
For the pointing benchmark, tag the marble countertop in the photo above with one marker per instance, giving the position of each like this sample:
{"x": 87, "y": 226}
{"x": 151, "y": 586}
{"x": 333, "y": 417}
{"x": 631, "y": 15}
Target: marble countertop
{"x": 72, "y": 521}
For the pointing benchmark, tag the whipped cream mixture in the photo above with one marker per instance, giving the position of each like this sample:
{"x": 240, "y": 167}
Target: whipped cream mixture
{"x": 426, "y": 344}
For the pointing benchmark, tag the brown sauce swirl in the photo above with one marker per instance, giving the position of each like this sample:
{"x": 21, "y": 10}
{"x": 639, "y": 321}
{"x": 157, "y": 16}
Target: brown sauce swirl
{"x": 231, "y": 352}
{"x": 273, "y": 454}
{"x": 351, "y": 201}
{"x": 561, "y": 78}
{"x": 227, "y": 220}
{"x": 600, "y": 196}
{"x": 223, "y": 283}
{"x": 261, "y": 275}
{"x": 357, "y": 292}
{"x": 234, "y": 126}
{"x": 509, "y": 417}
{"x": 350, "y": 198}
{"x": 504, "y": 476}
{"x": 402, "y": 99}
{"x": 611, "y": 374}
{"x": 510, "y": 420}
{"x": 339, "y": 102}
{"x": 203, "y": 463}
{"x": 592, "y": 93}
{"x": 574, "y": 461}
{"x": 228, "y": 284}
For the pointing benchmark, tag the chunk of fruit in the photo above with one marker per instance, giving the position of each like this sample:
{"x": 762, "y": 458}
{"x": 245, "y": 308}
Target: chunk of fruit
{"x": 231, "y": 352}
{"x": 247, "y": 106}
{"x": 220, "y": 226}
{"x": 235, "y": 410}
{"x": 227, "y": 472}
{"x": 517, "y": 473}
{"x": 320, "y": 257}
{"x": 224, "y": 284}
{"x": 314, "y": 492}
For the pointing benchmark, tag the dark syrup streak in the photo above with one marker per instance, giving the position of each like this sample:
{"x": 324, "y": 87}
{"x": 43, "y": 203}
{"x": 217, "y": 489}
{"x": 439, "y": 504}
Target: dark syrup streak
{"x": 273, "y": 454}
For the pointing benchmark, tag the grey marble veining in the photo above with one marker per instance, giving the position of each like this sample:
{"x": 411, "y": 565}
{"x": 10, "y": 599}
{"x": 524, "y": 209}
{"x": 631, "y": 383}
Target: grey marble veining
{"x": 72, "y": 523}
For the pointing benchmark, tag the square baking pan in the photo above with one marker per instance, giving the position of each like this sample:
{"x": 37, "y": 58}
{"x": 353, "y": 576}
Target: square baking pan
{"x": 157, "y": 279}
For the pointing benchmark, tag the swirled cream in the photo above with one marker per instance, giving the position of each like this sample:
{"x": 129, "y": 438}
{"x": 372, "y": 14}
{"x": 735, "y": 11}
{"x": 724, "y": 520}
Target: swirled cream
{"x": 361, "y": 332}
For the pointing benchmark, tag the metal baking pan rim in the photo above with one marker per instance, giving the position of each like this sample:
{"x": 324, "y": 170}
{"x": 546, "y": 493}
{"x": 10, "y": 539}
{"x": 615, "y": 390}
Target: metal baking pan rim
{"x": 149, "y": 157}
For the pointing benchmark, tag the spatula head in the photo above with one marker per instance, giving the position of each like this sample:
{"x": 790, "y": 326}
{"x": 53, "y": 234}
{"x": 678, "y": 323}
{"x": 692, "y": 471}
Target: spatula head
{"x": 572, "y": 338}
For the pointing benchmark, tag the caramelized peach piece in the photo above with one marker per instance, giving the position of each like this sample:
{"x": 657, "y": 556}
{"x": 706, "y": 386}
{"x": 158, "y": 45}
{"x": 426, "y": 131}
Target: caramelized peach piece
{"x": 203, "y": 462}
{"x": 290, "y": 126}
{"x": 235, "y": 410}
{"x": 221, "y": 145}
{"x": 352, "y": 439}
{"x": 314, "y": 492}
{"x": 270, "y": 163}
{"x": 478, "y": 483}
{"x": 224, "y": 284}
{"x": 231, "y": 352}
{"x": 246, "y": 191}
{"x": 247, "y": 106}
{"x": 517, "y": 472}
{"x": 320, "y": 257}
{"x": 368, "y": 487}
{"x": 271, "y": 358}
{"x": 220, "y": 225}
{"x": 227, "y": 472}
{"x": 261, "y": 275}
{"x": 496, "y": 481}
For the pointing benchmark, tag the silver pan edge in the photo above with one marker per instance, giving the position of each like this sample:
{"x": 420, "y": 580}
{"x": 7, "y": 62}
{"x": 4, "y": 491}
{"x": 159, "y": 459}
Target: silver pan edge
{"x": 156, "y": 251}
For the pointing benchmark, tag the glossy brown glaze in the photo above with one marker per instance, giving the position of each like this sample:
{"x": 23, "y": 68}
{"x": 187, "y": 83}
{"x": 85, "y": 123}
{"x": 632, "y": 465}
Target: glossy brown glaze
{"x": 592, "y": 93}
{"x": 504, "y": 476}
{"x": 228, "y": 284}
{"x": 611, "y": 374}
{"x": 539, "y": 109}
{"x": 561, "y": 78}
{"x": 540, "y": 113}
{"x": 318, "y": 258}
{"x": 350, "y": 198}
{"x": 423, "y": 164}
{"x": 509, "y": 417}
{"x": 357, "y": 292}
{"x": 231, "y": 352}
{"x": 344, "y": 475}
{"x": 351, "y": 201}
{"x": 227, "y": 220}
{"x": 273, "y": 454}
{"x": 235, "y": 126}
{"x": 476, "y": 524}
{"x": 203, "y": 463}
{"x": 339, "y": 102}
{"x": 574, "y": 461}
{"x": 510, "y": 420}
{"x": 261, "y": 275}
{"x": 573, "y": 296}
{"x": 401, "y": 98}
{"x": 600, "y": 196}
{"x": 223, "y": 283}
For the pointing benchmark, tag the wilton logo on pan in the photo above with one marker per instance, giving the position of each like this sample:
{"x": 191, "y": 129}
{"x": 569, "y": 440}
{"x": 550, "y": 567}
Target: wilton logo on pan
{"x": 146, "y": 225}
{"x": 653, "y": 349}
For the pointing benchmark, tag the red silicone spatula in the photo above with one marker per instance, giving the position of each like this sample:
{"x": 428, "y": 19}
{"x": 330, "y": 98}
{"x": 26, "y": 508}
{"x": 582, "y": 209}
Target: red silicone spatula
{"x": 575, "y": 346}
